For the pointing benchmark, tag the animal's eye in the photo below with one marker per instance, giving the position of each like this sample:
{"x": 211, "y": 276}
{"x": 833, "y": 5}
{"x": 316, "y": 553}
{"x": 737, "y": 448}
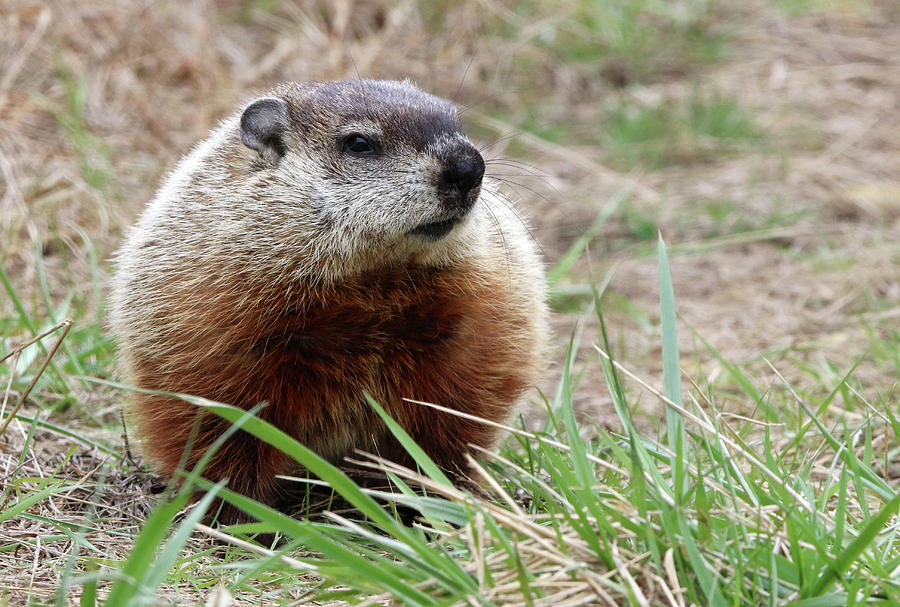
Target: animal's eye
{"x": 357, "y": 145}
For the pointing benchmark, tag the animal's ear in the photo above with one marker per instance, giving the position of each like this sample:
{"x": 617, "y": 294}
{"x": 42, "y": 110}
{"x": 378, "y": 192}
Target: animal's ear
{"x": 264, "y": 126}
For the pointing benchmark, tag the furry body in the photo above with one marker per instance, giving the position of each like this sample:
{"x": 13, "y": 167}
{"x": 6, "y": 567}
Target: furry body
{"x": 303, "y": 275}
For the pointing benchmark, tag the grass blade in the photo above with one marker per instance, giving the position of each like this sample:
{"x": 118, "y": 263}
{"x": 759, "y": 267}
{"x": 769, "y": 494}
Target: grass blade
{"x": 848, "y": 556}
{"x": 169, "y": 554}
{"x": 671, "y": 364}
{"x": 127, "y": 588}
{"x": 415, "y": 451}
{"x": 27, "y": 502}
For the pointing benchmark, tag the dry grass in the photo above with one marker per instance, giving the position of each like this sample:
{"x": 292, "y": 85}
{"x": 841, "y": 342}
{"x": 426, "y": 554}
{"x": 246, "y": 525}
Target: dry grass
{"x": 810, "y": 290}
{"x": 98, "y": 100}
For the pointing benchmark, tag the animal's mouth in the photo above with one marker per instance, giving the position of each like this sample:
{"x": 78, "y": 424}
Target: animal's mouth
{"x": 436, "y": 230}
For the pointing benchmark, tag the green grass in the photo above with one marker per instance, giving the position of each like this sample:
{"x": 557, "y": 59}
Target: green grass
{"x": 624, "y": 41}
{"x": 702, "y": 129}
{"x": 800, "y": 7}
{"x": 87, "y": 349}
{"x": 771, "y": 511}
{"x": 93, "y": 154}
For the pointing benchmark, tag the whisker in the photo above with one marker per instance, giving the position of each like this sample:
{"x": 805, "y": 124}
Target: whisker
{"x": 468, "y": 107}
{"x": 498, "y": 140}
{"x": 494, "y": 220}
{"x": 511, "y": 207}
{"x": 463, "y": 79}
{"x": 533, "y": 169}
{"x": 515, "y": 184}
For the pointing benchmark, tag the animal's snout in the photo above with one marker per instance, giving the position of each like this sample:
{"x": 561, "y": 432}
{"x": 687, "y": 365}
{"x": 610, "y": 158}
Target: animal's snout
{"x": 461, "y": 177}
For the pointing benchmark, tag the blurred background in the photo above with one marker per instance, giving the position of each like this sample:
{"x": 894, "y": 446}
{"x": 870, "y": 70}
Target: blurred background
{"x": 761, "y": 137}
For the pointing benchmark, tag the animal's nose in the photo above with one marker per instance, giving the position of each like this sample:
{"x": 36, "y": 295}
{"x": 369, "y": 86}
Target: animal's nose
{"x": 462, "y": 175}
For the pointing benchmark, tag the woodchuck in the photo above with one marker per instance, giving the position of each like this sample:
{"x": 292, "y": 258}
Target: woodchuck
{"x": 329, "y": 240}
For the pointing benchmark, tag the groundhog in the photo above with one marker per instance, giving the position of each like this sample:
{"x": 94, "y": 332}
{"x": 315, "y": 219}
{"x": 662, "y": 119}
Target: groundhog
{"x": 329, "y": 240}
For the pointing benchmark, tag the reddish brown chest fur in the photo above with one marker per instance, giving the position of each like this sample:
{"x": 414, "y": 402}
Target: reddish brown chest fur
{"x": 452, "y": 336}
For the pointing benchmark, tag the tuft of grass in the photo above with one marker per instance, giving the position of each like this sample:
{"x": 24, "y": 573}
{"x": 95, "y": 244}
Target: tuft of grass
{"x": 85, "y": 350}
{"x": 640, "y": 226}
{"x": 702, "y": 129}
{"x": 627, "y": 41}
{"x": 799, "y": 7}
{"x": 93, "y": 154}
{"x": 884, "y": 340}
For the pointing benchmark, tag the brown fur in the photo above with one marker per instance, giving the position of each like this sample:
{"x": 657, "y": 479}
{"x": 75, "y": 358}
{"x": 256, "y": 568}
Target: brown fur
{"x": 451, "y": 336}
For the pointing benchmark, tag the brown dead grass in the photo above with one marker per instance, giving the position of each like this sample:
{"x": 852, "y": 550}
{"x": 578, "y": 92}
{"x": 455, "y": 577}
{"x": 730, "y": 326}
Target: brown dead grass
{"x": 98, "y": 100}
